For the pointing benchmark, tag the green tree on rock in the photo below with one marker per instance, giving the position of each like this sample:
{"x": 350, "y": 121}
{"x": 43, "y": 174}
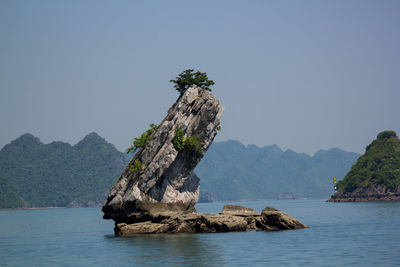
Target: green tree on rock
{"x": 142, "y": 140}
{"x": 188, "y": 78}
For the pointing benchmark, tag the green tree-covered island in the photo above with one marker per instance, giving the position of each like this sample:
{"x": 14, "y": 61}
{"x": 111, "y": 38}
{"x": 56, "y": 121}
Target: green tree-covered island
{"x": 376, "y": 174}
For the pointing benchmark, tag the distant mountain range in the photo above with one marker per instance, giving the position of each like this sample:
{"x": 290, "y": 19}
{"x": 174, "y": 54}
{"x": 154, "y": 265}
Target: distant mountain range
{"x": 33, "y": 174}
{"x": 233, "y": 171}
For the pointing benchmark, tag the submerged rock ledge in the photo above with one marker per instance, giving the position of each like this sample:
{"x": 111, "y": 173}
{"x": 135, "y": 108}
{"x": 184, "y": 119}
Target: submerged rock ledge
{"x": 231, "y": 219}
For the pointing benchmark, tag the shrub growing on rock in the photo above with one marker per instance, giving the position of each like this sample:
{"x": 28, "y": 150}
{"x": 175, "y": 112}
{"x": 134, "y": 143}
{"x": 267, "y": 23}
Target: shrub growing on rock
{"x": 178, "y": 139}
{"x": 190, "y": 143}
{"x": 137, "y": 166}
{"x": 142, "y": 140}
{"x": 188, "y": 78}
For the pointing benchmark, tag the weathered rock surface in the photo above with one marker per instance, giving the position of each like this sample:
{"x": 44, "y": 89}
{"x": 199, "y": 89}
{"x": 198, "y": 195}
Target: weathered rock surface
{"x": 370, "y": 193}
{"x": 167, "y": 181}
{"x": 231, "y": 219}
{"x": 238, "y": 211}
{"x": 278, "y": 220}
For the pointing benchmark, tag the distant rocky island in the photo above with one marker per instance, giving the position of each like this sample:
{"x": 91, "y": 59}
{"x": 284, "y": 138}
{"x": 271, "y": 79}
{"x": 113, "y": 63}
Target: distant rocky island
{"x": 157, "y": 191}
{"x": 206, "y": 197}
{"x": 376, "y": 174}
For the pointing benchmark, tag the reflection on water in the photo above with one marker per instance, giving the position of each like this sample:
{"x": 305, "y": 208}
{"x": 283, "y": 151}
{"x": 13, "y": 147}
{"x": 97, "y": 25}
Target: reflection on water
{"x": 177, "y": 249}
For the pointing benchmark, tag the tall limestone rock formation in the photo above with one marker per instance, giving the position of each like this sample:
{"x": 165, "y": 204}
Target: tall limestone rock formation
{"x": 160, "y": 177}
{"x": 376, "y": 174}
{"x": 157, "y": 191}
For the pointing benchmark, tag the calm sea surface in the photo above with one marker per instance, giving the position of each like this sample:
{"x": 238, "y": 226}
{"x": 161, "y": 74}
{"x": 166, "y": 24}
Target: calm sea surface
{"x": 340, "y": 234}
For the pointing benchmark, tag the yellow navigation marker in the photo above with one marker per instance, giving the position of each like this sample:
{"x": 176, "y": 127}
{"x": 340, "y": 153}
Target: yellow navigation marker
{"x": 334, "y": 179}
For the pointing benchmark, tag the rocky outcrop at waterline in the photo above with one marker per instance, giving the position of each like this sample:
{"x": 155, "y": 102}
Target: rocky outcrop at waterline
{"x": 157, "y": 191}
{"x": 370, "y": 193}
{"x": 231, "y": 219}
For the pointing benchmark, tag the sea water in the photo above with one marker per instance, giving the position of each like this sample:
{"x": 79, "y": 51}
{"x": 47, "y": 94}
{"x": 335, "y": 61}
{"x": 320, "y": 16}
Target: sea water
{"x": 340, "y": 234}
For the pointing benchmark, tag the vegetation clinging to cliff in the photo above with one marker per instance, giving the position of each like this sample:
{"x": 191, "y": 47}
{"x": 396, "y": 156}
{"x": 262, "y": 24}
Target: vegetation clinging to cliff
{"x": 190, "y": 143}
{"x": 178, "y": 139}
{"x": 142, "y": 140}
{"x": 188, "y": 78}
{"x": 380, "y": 165}
{"x": 137, "y": 166}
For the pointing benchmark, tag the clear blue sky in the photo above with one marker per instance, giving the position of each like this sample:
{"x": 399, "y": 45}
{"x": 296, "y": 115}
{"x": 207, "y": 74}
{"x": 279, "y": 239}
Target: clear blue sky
{"x": 306, "y": 75}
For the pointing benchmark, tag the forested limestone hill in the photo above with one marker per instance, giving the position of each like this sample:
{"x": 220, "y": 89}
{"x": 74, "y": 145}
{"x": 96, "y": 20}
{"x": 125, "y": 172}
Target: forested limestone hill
{"x": 33, "y": 174}
{"x": 376, "y": 174}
